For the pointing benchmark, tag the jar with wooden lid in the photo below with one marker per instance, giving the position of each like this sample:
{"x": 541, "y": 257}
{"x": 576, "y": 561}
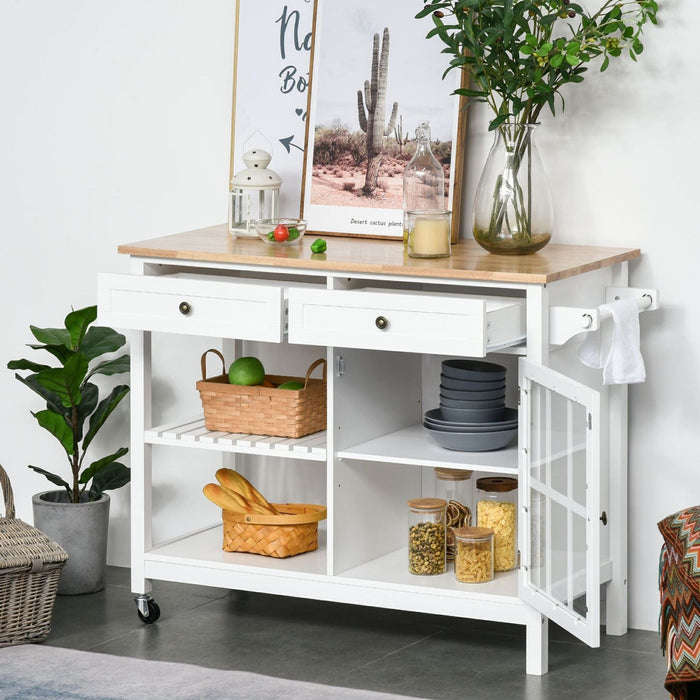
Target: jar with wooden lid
{"x": 496, "y": 509}
{"x": 473, "y": 554}
{"x": 426, "y": 536}
{"x": 455, "y": 487}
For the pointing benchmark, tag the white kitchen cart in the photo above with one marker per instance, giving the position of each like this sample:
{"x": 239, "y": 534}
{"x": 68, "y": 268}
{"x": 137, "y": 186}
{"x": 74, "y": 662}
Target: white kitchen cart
{"x": 384, "y": 321}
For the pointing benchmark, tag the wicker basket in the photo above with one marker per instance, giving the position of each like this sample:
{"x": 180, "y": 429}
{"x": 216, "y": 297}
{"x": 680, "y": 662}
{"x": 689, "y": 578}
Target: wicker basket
{"x": 30, "y": 568}
{"x": 293, "y": 532}
{"x": 261, "y": 410}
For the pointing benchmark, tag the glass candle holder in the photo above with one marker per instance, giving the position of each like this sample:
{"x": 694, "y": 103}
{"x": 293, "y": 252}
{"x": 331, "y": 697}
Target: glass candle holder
{"x": 428, "y": 233}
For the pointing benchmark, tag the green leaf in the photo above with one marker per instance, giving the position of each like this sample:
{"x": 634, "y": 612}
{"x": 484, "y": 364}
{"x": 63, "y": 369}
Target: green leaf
{"x": 604, "y": 65}
{"x": 100, "y": 340}
{"x": 51, "y": 336}
{"x": 77, "y": 322}
{"x": 495, "y": 123}
{"x": 88, "y": 401}
{"x": 101, "y": 464}
{"x": 52, "y": 400}
{"x": 103, "y": 411}
{"x": 113, "y": 476}
{"x": 544, "y": 49}
{"x": 118, "y": 365}
{"x": 573, "y": 47}
{"x": 53, "y": 478}
{"x": 60, "y": 352}
{"x": 57, "y": 426}
{"x": 556, "y": 60}
{"x": 27, "y": 364}
{"x": 572, "y": 60}
{"x": 637, "y": 47}
{"x": 65, "y": 381}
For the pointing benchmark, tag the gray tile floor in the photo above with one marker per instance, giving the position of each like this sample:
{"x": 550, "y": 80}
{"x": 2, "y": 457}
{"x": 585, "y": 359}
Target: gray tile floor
{"x": 383, "y": 650}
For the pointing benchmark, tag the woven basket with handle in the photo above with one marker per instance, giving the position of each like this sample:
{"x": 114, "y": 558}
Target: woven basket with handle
{"x": 261, "y": 410}
{"x": 30, "y": 568}
{"x": 292, "y": 532}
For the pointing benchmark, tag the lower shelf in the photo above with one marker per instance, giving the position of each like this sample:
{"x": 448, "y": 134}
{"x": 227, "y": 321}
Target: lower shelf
{"x": 384, "y": 582}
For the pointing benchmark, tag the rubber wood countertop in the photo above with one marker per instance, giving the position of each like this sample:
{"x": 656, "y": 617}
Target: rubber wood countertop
{"x": 364, "y": 255}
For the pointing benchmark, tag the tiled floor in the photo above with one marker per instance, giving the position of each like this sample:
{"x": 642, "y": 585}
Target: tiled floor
{"x": 383, "y": 650}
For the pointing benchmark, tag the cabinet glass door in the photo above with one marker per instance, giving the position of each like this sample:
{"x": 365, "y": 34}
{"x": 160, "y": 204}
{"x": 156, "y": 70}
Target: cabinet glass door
{"x": 559, "y": 494}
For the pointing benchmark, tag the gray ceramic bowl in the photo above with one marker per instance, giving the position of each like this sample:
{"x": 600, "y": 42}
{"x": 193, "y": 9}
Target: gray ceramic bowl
{"x": 467, "y": 385}
{"x": 468, "y": 418}
{"x": 473, "y": 370}
{"x": 473, "y": 442}
{"x": 472, "y": 395}
{"x": 438, "y": 418}
{"x": 454, "y": 403}
{"x": 474, "y": 428}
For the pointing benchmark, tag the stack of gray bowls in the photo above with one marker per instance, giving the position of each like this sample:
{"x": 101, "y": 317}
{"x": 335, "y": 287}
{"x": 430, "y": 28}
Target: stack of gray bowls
{"x": 472, "y": 416}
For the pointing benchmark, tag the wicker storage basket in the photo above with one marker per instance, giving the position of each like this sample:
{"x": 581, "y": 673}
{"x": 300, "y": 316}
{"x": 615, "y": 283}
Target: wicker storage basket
{"x": 260, "y": 410}
{"x": 30, "y": 568}
{"x": 293, "y": 532}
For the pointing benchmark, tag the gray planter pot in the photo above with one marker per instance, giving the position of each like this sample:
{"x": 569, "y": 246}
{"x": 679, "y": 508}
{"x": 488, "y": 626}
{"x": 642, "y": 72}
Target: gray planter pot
{"x": 81, "y": 529}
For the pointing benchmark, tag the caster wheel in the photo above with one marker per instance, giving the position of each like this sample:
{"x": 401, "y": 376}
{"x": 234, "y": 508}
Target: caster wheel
{"x": 153, "y": 613}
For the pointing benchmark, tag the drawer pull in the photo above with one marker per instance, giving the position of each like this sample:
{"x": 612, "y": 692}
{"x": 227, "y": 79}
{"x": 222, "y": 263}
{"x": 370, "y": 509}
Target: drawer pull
{"x": 381, "y": 322}
{"x": 184, "y": 308}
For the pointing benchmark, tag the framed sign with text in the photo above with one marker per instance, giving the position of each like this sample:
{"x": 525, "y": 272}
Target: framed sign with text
{"x": 375, "y": 52}
{"x": 270, "y": 89}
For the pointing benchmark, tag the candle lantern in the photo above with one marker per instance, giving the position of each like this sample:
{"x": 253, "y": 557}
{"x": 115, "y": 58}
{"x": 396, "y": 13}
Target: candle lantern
{"x": 428, "y": 233}
{"x": 254, "y": 194}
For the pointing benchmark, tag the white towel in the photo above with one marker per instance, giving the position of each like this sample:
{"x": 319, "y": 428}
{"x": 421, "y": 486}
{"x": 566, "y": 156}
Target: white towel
{"x": 616, "y": 349}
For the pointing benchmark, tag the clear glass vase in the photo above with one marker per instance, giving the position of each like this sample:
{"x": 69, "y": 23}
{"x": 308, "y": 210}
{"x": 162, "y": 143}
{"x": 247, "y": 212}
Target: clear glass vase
{"x": 513, "y": 212}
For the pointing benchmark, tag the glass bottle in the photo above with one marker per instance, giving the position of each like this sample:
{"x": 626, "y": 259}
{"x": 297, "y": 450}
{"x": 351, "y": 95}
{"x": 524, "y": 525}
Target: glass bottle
{"x": 496, "y": 508}
{"x": 513, "y": 212}
{"x": 426, "y": 536}
{"x": 423, "y": 179}
{"x": 474, "y": 554}
{"x": 455, "y": 487}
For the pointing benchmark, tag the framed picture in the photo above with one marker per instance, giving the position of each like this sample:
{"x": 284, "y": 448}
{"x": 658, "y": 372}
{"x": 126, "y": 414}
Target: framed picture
{"x": 272, "y": 56}
{"x": 344, "y": 191}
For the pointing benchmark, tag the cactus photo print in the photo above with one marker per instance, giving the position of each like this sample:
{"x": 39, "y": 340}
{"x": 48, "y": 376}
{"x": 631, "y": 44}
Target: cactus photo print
{"x": 374, "y": 78}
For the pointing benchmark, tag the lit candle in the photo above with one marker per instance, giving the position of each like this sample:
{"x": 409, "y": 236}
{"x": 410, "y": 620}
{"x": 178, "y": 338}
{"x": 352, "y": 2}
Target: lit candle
{"x": 430, "y": 236}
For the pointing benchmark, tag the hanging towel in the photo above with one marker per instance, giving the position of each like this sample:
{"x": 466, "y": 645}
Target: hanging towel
{"x": 615, "y": 346}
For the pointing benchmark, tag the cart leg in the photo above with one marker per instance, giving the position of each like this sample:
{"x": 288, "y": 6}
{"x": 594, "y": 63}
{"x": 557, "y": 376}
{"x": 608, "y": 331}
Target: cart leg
{"x": 536, "y": 644}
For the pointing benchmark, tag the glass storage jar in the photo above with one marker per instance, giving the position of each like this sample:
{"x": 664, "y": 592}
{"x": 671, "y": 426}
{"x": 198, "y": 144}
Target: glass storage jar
{"x": 496, "y": 508}
{"x": 474, "y": 554}
{"x": 426, "y": 536}
{"x": 455, "y": 486}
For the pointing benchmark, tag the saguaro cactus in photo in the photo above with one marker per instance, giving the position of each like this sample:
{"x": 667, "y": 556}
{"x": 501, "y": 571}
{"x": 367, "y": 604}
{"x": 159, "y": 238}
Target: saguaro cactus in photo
{"x": 401, "y": 138}
{"x": 372, "y": 120}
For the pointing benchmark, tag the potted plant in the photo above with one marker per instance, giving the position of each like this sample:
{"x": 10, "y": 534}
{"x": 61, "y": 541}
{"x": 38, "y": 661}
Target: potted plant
{"x": 519, "y": 55}
{"x": 77, "y": 515}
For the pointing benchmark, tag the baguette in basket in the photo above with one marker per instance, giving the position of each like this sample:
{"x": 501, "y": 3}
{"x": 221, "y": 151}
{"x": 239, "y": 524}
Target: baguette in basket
{"x": 253, "y": 525}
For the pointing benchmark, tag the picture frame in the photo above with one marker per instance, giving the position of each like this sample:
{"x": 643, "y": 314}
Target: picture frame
{"x": 271, "y": 66}
{"x": 338, "y": 195}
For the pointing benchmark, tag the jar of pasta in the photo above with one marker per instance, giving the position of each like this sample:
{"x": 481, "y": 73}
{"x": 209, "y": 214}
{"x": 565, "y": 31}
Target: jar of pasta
{"x": 455, "y": 487}
{"x": 426, "y": 536}
{"x": 473, "y": 554}
{"x": 496, "y": 499}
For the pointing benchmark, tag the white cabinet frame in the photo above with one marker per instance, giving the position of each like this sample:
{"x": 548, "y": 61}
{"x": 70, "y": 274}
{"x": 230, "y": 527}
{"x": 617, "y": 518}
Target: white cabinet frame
{"x": 343, "y": 569}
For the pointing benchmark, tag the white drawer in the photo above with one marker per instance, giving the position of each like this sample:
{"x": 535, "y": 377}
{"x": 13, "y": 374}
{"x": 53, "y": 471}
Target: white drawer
{"x": 424, "y": 322}
{"x": 199, "y": 306}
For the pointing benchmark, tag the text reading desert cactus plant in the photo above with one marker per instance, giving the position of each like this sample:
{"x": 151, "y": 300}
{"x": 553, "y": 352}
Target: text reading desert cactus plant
{"x": 372, "y": 121}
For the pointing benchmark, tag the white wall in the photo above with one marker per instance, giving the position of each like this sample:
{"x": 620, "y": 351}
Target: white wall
{"x": 115, "y": 128}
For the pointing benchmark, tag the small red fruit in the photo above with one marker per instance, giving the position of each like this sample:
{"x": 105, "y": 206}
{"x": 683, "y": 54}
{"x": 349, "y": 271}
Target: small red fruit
{"x": 281, "y": 233}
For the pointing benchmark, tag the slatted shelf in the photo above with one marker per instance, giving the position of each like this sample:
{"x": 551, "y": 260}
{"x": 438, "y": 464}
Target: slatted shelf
{"x": 193, "y": 433}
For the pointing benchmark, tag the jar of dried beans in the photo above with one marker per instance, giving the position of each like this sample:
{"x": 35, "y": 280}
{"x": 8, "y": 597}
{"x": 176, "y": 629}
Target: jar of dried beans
{"x": 473, "y": 554}
{"x": 426, "y": 536}
{"x": 455, "y": 486}
{"x": 496, "y": 499}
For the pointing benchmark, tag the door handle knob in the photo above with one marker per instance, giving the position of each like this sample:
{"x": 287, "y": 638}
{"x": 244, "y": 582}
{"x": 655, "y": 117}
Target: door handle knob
{"x": 381, "y": 322}
{"x": 185, "y": 308}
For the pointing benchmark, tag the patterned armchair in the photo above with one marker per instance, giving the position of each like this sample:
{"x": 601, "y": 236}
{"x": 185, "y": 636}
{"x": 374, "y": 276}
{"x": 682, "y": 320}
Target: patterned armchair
{"x": 679, "y": 586}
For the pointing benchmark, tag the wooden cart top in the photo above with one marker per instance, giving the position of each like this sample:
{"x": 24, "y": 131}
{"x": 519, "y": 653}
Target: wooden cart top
{"x": 376, "y": 256}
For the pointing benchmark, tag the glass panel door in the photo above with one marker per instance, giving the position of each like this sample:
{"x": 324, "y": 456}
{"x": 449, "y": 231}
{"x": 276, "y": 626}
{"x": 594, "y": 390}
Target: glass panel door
{"x": 559, "y": 493}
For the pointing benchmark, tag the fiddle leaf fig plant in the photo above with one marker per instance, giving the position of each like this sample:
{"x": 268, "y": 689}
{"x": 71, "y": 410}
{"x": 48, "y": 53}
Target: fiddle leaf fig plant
{"x": 74, "y": 413}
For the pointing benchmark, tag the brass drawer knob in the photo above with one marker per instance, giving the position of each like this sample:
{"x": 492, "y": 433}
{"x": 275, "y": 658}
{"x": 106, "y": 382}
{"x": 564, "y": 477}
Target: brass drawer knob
{"x": 184, "y": 308}
{"x": 381, "y": 322}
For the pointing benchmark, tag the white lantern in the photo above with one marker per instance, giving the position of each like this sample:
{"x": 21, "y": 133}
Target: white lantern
{"x": 254, "y": 194}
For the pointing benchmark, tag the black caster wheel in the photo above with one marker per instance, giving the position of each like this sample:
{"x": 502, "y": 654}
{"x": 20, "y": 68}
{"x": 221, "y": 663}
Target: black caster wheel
{"x": 153, "y": 613}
